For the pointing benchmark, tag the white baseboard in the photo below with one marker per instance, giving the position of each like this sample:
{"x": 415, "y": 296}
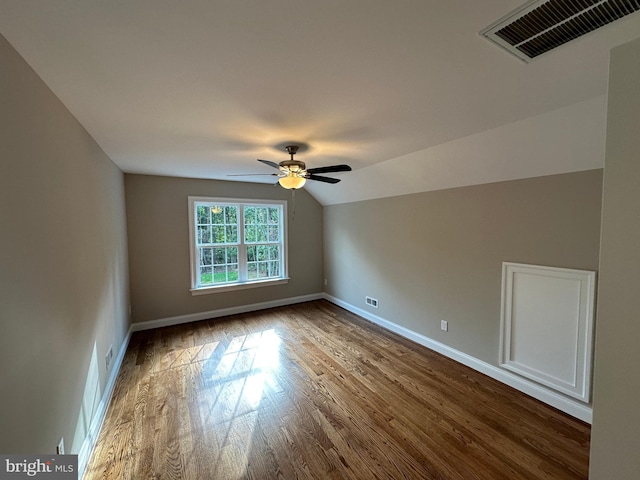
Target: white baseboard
{"x": 559, "y": 401}
{"x": 101, "y": 412}
{"x": 223, "y": 312}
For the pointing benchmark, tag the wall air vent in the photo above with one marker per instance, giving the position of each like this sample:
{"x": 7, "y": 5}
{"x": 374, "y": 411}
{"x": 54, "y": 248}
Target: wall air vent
{"x": 539, "y": 26}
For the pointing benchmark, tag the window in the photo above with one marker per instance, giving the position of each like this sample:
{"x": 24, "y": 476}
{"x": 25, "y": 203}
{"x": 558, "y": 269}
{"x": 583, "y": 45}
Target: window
{"x": 236, "y": 243}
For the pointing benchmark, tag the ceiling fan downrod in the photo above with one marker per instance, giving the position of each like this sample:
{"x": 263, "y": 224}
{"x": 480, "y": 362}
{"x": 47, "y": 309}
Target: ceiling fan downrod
{"x": 291, "y": 150}
{"x": 293, "y": 167}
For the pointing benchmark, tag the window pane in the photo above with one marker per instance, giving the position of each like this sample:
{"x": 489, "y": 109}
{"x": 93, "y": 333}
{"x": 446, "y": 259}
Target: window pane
{"x": 251, "y": 254}
{"x": 231, "y": 215}
{"x": 274, "y": 233}
{"x": 233, "y": 272}
{"x": 206, "y": 277}
{"x": 216, "y": 214}
{"x": 232, "y": 255}
{"x": 220, "y": 274}
{"x": 262, "y": 270}
{"x": 262, "y": 233}
{"x": 202, "y": 214}
{"x": 232, "y": 233}
{"x": 249, "y": 215}
{"x": 204, "y": 235}
{"x": 261, "y": 252}
{"x": 250, "y": 234}
{"x": 219, "y": 256}
{"x": 252, "y": 271}
{"x": 205, "y": 256}
{"x": 274, "y": 252}
{"x": 261, "y": 214}
{"x": 218, "y": 234}
{"x": 273, "y": 216}
{"x": 274, "y": 269}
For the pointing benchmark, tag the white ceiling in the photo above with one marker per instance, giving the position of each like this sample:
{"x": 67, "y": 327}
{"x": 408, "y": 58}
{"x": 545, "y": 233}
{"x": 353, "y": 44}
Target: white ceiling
{"x": 406, "y": 92}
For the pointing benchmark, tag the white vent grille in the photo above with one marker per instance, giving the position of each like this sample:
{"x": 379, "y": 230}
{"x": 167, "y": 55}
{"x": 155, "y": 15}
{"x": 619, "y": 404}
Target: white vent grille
{"x": 542, "y": 25}
{"x": 372, "y": 302}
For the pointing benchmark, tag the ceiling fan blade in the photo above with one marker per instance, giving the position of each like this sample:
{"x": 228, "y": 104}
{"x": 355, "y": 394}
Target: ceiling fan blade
{"x": 270, "y": 163}
{"x": 322, "y": 179}
{"x": 330, "y": 169}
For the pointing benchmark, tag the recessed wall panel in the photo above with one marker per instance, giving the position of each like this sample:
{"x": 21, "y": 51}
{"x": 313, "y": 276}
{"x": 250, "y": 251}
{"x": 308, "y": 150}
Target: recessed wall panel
{"x": 546, "y": 326}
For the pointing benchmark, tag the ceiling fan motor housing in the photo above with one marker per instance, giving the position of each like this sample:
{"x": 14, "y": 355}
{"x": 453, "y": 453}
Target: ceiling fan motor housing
{"x": 292, "y": 166}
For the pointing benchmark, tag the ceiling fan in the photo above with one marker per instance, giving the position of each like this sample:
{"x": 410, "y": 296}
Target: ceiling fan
{"x": 294, "y": 173}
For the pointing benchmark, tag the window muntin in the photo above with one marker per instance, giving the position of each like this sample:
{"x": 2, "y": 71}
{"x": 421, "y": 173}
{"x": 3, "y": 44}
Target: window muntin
{"x": 236, "y": 242}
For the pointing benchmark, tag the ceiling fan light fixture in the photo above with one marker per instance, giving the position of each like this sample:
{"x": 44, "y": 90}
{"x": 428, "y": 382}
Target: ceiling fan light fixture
{"x": 292, "y": 182}
{"x": 293, "y": 174}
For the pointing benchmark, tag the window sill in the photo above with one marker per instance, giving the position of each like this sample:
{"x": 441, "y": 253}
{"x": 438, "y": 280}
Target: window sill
{"x": 238, "y": 286}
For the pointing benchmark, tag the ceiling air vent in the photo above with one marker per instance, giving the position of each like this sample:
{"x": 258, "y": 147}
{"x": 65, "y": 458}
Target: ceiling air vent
{"x": 541, "y": 25}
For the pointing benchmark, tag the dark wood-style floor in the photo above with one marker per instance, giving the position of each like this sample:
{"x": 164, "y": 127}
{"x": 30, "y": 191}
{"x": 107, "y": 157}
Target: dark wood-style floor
{"x": 312, "y": 391}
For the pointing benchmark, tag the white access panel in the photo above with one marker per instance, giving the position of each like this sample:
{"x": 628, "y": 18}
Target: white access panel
{"x": 546, "y": 328}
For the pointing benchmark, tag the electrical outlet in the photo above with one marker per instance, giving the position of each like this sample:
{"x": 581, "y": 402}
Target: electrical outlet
{"x": 325, "y": 282}
{"x": 444, "y": 325}
{"x": 60, "y": 447}
{"x": 108, "y": 357}
{"x": 372, "y": 302}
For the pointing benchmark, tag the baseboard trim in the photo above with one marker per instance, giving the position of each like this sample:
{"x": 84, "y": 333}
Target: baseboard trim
{"x": 101, "y": 412}
{"x": 567, "y": 405}
{"x": 223, "y": 312}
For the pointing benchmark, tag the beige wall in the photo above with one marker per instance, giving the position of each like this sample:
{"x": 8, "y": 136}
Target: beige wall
{"x": 158, "y": 227}
{"x": 63, "y": 265}
{"x": 438, "y": 255}
{"x": 615, "y": 438}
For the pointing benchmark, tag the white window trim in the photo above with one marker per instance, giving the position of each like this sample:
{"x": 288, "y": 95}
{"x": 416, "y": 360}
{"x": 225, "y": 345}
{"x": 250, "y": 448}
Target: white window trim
{"x": 192, "y": 200}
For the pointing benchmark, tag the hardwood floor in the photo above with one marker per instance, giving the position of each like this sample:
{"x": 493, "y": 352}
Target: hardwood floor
{"x": 312, "y": 391}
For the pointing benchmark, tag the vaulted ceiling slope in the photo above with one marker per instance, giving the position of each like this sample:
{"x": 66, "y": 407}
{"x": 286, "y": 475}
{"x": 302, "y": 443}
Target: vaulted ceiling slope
{"x": 405, "y": 92}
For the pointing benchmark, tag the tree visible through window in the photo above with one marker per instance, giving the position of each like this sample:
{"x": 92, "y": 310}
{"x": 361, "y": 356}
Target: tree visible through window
{"x": 236, "y": 243}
